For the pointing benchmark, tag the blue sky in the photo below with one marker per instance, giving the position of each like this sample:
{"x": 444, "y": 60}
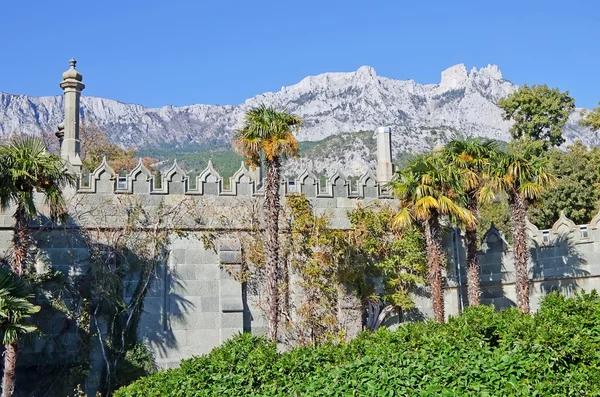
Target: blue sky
{"x": 221, "y": 52}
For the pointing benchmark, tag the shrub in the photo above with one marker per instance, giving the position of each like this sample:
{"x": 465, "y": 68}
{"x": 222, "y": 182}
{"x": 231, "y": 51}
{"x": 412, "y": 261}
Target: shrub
{"x": 136, "y": 363}
{"x": 481, "y": 352}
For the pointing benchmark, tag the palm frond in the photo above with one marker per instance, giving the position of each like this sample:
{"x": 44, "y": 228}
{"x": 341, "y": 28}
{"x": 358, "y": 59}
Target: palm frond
{"x": 524, "y": 174}
{"x": 15, "y": 307}
{"x": 403, "y": 219}
{"x": 486, "y": 194}
{"x": 268, "y": 130}
{"x": 430, "y": 185}
{"x": 56, "y": 203}
{"x": 26, "y": 167}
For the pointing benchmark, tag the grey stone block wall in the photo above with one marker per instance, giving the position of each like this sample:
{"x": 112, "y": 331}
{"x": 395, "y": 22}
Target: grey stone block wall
{"x": 198, "y": 306}
{"x": 196, "y": 302}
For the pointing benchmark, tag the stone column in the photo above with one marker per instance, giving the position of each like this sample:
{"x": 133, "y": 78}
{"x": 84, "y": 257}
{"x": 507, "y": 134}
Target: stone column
{"x": 72, "y": 87}
{"x": 384, "y": 155}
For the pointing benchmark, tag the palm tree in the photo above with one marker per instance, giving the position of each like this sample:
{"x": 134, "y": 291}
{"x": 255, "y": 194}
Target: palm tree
{"x": 270, "y": 133}
{"x": 15, "y": 309}
{"x": 472, "y": 155}
{"x": 26, "y": 168}
{"x": 428, "y": 188}
{"x": 524, "y": 179}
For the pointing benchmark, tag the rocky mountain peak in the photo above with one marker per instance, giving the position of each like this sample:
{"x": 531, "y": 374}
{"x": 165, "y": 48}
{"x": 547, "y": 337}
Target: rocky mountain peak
{"x": 454, "y": 77}
{"x": 330, "y": 103}
{"x": 366, "y": 73}
{"x": 490, "y": 71}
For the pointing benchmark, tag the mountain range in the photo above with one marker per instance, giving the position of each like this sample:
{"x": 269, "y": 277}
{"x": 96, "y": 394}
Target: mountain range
{"x": 462, "y": 103}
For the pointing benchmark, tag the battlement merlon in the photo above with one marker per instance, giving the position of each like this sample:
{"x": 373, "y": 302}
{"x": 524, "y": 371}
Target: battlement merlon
{"x": 176, "y": 181}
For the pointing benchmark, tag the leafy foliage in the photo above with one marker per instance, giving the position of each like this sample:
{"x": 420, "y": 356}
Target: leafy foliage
{"x": 396, "y": 255}
{"x": 591, "y": 118}
{"x": 317, "y": 255}
{"x": 95, "y": 145}
{"x": 328, "y": 258}
{"x": 429, "y": 186}
{"x": 496, "y": 212}
{"x": 539, "y": 113}
{"x": 269, "y": 131}
{"x": 137, "y": 362}
{"x": 15, "y": 307}
{"x": 577, "y": 188}
{"x": 481, "y": 352}
{"x": 25, "y": 166}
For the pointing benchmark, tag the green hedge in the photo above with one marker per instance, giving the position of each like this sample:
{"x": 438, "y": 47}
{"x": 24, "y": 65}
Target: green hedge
{"x": 482, "y": 353}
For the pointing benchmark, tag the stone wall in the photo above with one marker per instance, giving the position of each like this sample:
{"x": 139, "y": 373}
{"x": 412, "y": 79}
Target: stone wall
{"x": 195, "y": 303}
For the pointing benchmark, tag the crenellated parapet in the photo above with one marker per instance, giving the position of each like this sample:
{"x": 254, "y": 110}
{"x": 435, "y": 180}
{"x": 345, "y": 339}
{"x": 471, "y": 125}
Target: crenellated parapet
{"x": 561, "y": 258}
{"x": 563, "y": 230}
{"x": 176, "y": 181}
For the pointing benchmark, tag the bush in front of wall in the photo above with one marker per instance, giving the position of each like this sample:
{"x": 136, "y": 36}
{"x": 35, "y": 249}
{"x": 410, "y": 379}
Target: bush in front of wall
{"x": 481, "y": 352}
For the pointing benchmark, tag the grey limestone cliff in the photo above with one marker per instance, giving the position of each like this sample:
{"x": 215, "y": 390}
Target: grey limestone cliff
{"x": 330, "y": 103}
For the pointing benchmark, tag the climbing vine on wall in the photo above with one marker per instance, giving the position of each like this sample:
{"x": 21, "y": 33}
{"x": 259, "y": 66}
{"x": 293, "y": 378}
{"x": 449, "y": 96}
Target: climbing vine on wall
{"x": 319, "y": 255}
{"x": 123, "y": 263}
{"x": 398, "y": 256}
{"x": 395, "y": 257}
{"x": 97, "y": 298}
{"x": 325, "y": 271}
{"x": 331, "y": 262}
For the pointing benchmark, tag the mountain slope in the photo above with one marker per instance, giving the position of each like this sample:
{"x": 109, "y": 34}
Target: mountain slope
{"x": 330, "y": 103}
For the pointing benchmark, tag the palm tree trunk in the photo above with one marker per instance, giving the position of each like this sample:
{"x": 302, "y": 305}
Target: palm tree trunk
{"x": 473, "y": 287}
{"x": 18, "y": 261}
{"x": 21, "y": 241}
{"x": 272, "y": 208}
{"x": 521, "y": 254}
{"x": 10, "y": 364}
{"x": 435, "y": 257}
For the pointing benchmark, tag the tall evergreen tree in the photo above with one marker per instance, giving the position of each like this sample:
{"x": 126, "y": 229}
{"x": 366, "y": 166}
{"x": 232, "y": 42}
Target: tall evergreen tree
{"x": 429, "y": 187}
{"x": 524, "y": 178}
{"x": 577, "y": 189}
{"x": 269, "y": 132}
{"x": 472, "y": 155}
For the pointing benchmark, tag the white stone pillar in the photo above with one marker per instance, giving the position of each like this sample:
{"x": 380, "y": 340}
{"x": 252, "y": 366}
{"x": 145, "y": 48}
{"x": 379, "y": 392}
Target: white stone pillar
{"x": 385, "y": 169}
{"x": 72, "y": 87}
